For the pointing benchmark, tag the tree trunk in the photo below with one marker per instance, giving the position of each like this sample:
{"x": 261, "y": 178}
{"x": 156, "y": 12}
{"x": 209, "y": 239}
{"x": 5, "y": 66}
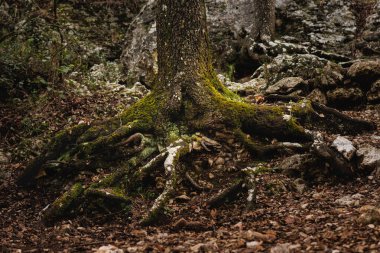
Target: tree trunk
{"x": 264, "y": 18}
{"x": 183, "y": 49}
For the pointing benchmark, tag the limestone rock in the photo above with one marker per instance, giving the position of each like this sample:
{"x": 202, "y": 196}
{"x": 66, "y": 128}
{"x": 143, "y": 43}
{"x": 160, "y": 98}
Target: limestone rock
{"x": 109, "y": 249}
{"x": 349, "y": 200}
{"x": 370, "y": 157}
{"x": 316, "y": 72}
{"x": 318, "y": 96}
{"x": 250, "y": 87}
{"x": 371, "y": 33}
{"x": 373, "y": 95}
{"x": 328, "y": 25}
{"x": 286, "y": 85}
{"x": 369, "y": 215}
{"x": 294, "y": 165}
{"x": 345, "y": 97}
{"x": 365, "y": 71}
{"x": 345, "y": 147}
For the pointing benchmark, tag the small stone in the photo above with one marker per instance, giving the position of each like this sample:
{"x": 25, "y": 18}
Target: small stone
{"x": 219, "y": 161}
{"x": 370, "y": 157}
{"x": 254, "y": 245}
{"x": 109, "y": 249}
{"x": 369, "y": 215}
{"x": 348, "y": 200}
{"x": 345, "y": 147}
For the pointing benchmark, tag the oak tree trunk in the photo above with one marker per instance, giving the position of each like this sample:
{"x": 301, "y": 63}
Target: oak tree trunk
{"x": 263, "y": 27}
{"x": 183, "y": 53}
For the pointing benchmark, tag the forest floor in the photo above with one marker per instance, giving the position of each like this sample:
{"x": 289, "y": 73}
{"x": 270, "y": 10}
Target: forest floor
{"x": 284, "y": 219}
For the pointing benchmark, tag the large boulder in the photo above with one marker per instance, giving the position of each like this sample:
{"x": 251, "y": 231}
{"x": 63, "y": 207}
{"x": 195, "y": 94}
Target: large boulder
{"x": 365, "y": 72}
{"x": 345, "y": 97}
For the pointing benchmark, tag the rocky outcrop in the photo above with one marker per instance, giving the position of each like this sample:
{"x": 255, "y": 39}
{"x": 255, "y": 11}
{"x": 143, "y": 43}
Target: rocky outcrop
{"x": 371, "y": 33}
{"x": 317, "y": 72}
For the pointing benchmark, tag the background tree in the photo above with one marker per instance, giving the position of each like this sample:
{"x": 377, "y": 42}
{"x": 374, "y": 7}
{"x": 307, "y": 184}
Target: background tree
{"x": 264, "y": 18}
{"x": 187, "y": 98}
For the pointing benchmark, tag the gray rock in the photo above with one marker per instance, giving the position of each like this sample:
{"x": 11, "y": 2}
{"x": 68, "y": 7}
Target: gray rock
{"x": 286, "y": 85}
{"x": 373, "y": 95}
{"x": 365, "y": 71}
{"x": 327, "y": 25}
{"x": 345, "y": 147}
{"x": 316, "y": 72}
{"x": 345, "y": 96}
{"x": 295, "y": 165}
{"x": 318, "y": 96}
{"x": 299, "y": 185}
{"x": 253, "y": 86}
{"x": 350, "y": 200}
{"x": 369, "y": 215}
{"x": 370, "y": 157}
{"x": 371, "y": 33}
{"x": 109, "y": 249}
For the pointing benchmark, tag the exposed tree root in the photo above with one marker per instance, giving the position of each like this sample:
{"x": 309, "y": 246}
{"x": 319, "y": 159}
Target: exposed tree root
{"x": 329, "y": 118}
{"x": 227, "y": 193}
{"x": 193, "y": 183}
{"x": 124, "y": 143}
{"x": 250, "y": 185}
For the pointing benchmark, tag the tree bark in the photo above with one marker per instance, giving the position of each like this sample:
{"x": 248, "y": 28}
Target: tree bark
{"x": 183, "y": 48}
{"x": 263, "y": 28}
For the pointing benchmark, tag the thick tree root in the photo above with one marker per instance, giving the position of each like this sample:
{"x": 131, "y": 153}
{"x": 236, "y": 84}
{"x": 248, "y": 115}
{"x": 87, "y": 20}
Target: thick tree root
{"x": 171, "y": 165}
{"x": 329, "y": 119}
{"x": 228, "y": 193}
{"x": 57, "y": 144}
{"x": 261, "y": 150}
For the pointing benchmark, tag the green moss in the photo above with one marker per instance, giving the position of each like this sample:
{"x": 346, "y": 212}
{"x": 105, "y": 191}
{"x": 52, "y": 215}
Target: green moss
{"x": 67, "y": 136}
{"x": 65, "y": 203}
{"x": 108, "y": 199}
